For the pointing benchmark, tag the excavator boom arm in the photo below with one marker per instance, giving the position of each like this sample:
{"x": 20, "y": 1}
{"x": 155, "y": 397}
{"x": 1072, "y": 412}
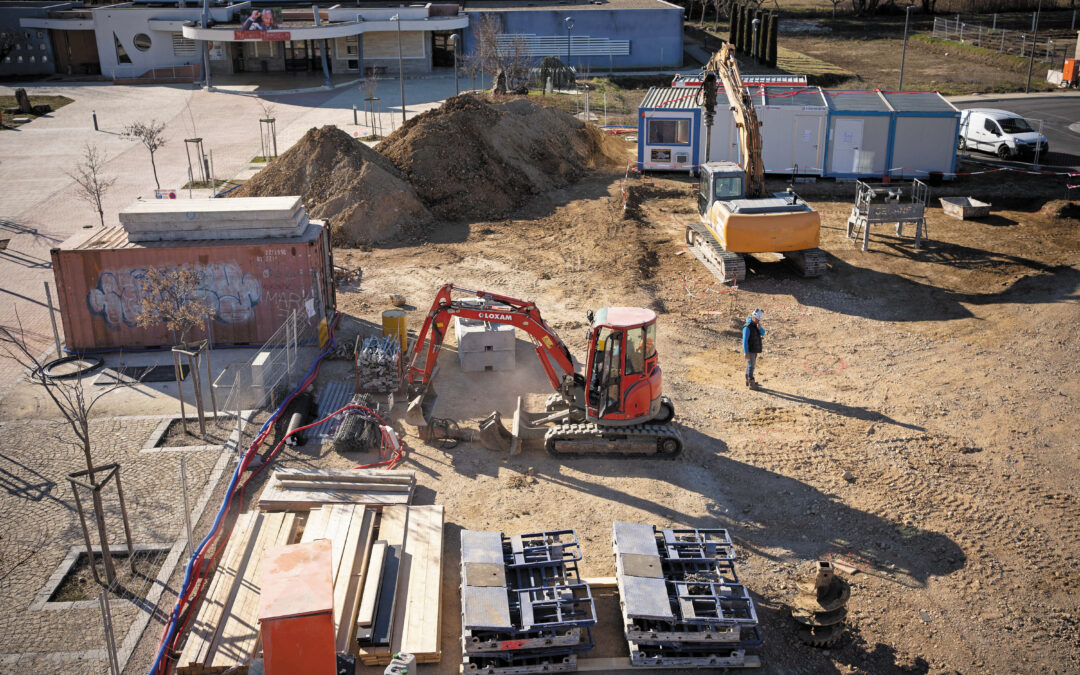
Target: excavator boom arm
{"x": 550, "y": 348}
{"x": 746, "y": 120}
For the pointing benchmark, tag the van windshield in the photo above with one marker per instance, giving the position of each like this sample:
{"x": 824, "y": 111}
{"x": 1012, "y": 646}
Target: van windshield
{"x": 1015, "y": 125}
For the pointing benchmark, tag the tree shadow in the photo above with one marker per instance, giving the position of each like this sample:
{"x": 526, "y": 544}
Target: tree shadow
{"x": 25, "y": 483}
{"x": 763, "y": 510}
{"x": 884, "y": 296}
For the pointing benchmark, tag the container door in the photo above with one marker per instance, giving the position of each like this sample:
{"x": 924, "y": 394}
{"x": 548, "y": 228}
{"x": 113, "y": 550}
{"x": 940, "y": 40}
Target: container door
{"x": 807, "y": 143}
{"x": 847, "y": 140}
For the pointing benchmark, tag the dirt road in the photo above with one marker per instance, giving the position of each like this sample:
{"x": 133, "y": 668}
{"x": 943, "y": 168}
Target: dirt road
{"x": 943, "y": 380}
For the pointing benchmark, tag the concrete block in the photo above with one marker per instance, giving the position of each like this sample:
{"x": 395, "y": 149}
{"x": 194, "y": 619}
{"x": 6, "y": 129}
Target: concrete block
{"x": 198, "y": 219}
{"x": 478, "y": 362}
{"x": 480, "y": 336}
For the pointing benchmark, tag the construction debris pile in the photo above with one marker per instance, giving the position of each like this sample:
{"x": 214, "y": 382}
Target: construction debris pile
{"x": 524, "y": 608}
{"x": 473, "y": 158}
{"x": 682, "y": 604}
{"x": 378, "y": 363}
{"x": 358, "y": 192}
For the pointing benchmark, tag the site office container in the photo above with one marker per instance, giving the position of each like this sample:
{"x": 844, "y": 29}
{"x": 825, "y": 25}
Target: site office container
{"x": 670, "y": 130}
{"x": 890, "y": 134}
{"x": 252, "y": 285}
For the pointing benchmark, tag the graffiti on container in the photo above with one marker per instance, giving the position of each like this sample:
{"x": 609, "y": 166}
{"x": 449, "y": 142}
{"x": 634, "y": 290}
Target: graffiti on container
{"x": 231, "y": 293}
{"x": 284, "y": 302}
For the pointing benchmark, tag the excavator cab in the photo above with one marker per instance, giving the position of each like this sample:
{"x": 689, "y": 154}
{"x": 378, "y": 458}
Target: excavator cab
{"x": 623, "y": 381}
{"x": 719, "y": 182}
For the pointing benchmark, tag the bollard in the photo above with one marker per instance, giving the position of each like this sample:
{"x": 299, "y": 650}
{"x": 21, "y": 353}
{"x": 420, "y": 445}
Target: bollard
{"x": 93, "y": 115}
{"x": 354, "y": 115}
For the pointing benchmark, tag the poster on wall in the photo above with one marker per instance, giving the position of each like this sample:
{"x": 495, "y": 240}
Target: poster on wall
{"x": 261, "y": 24}
{"x": 217, "y": 50}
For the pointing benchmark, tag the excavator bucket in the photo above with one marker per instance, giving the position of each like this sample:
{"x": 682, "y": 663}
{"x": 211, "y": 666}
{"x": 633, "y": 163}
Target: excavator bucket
{"x": 526, "y": 426}
{"x": 493, "y": 435}
{"x": 418, "y": 413}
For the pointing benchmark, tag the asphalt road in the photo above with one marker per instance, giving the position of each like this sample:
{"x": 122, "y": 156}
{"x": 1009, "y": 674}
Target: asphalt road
{"x": 1058, "y": 113}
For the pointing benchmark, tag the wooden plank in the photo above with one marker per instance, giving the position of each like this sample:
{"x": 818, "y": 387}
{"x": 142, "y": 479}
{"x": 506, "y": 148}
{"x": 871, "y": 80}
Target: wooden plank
{"x": 315, "y": 527}
{"x": 231, "y": 579}
{"x": 202, "y": 628}
{"x": 371, "y": 584}
{"x": 419, "y": 632}
{"x": 324, "y": 486}
{"x": 348, "y": 582}
{"x": 392, "y": 524}
{"x": 357, "y": 475}
{"x": 275, "y": 498}
{"x": 600, "y": 582}
{"x": 239, "y": 632}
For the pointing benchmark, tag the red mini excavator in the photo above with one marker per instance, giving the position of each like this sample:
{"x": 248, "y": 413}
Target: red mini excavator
{"x": 613, "y": 407}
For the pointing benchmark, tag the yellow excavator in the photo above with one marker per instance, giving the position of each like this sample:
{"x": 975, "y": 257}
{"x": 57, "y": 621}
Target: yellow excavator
{"x": 738, "y": 218}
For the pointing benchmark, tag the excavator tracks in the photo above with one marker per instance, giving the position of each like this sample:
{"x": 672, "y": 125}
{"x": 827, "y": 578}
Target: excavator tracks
{"x": 810, "y": 262}
{"x": 724, "y": 265}
{"x": 660, "y": 441}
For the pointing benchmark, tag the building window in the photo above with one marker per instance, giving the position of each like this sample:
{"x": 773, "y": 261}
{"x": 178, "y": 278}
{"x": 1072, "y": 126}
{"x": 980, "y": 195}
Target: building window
{"x": 121, "y": 53}
{"x": 141, "y": 42}
{"x": 181, "y": 46}
{"x": 40, "y": 35}
{"x": 44, "y": 58}
{"x": 33, "y": 59}
{"x": 20, "y": 59}
{"x": 41, "y": 46}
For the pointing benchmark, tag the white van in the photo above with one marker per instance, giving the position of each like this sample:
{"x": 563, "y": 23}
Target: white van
{"x": 1000, "y": 132}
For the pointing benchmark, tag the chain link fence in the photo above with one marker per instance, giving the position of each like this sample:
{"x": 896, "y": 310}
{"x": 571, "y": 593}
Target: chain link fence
{"x": 1009, "y": 34}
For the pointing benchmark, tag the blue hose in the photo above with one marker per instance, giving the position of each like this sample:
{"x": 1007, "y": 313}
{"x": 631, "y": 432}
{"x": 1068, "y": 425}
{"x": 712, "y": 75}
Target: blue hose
{"x": 167, "y": 640}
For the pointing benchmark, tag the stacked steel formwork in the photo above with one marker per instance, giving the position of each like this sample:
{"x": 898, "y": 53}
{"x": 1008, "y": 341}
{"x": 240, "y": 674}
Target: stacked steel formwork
{"x": 524, "y": 607}
{"x": 682, "y": 603}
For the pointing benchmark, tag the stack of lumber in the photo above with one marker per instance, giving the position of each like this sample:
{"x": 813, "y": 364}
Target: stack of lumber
{"x": 401, "y": 605}
{"x": 302, "y": 489}
{"x": 225, "y": 631}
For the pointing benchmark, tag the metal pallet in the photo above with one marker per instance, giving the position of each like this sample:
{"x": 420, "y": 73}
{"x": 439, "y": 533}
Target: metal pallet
{"x": 523, "y": 666}
{"x": 681, "y": 598}
{"x": 524, "y": 606}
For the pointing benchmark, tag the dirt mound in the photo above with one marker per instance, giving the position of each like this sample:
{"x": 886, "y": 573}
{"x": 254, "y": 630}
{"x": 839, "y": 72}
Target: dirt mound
{"x": 1059, "y": 208}
{"x": 357, "y": 190}
{"x": 476, "y": 158}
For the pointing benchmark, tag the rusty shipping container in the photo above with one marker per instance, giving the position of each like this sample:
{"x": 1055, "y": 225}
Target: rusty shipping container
{"x": 252, "y": 285}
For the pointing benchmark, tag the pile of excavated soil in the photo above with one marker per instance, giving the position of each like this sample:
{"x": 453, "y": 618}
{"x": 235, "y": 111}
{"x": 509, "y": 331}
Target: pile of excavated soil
{"x": 476, "y": 158}
{"x": 358, "y": 192}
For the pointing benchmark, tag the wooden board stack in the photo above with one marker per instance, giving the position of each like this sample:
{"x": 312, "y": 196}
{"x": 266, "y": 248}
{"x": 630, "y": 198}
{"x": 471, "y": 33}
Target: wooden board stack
{"x": 302, "y": 489}
{"x": 401, "y": 606}
{"x": 387, "y": 574}
{"x": 225, "y": 632}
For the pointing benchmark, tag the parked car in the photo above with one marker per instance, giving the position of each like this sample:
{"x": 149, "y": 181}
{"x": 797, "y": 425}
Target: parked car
{"x": 1000, "y": 132}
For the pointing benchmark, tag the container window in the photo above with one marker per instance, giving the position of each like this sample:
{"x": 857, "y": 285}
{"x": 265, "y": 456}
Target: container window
{"x": 676, "y": 132}
{"x": 142, "y": 42}
{"x": 121, "y": 53}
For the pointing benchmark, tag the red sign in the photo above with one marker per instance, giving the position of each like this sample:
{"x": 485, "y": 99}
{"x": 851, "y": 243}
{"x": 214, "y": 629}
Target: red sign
{"x": 273, "y": 35}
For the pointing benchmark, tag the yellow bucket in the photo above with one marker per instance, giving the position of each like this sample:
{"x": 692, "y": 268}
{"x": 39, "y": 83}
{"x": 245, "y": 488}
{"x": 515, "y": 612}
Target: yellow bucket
{"x": 393, "y": 323}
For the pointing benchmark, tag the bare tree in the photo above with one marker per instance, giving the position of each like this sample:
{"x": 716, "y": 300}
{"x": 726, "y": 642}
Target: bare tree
{"x": 92, "y": 185}
{"x": 492, "y": 55}
{"x": 151, "y": 135}
{"x": 75, "y": 405}
{"x": 173, "y": 297}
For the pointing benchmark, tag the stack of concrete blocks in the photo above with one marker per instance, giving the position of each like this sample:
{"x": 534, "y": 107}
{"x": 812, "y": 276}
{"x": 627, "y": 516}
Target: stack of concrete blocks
{"x": 240, "y": 218}
{"x": 484, "y": 346}
{"x": 379, "y": 363}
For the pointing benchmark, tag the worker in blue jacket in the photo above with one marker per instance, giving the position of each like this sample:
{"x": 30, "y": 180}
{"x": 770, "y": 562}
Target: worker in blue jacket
{"x": 752, "y": 333}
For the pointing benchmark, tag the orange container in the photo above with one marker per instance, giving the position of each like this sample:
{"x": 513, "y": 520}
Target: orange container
{"x": 296, "y": 610}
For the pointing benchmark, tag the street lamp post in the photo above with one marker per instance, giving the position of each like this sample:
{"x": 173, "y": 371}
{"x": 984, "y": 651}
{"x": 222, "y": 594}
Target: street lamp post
{"x": 569, "y": 27}
{"x": 903, "y": 53}
{"x": 400, "y": 67}
{"x": 1034, "y": 41}
{"x": 754, "y": 43}
{"x": 453, "y": 44}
